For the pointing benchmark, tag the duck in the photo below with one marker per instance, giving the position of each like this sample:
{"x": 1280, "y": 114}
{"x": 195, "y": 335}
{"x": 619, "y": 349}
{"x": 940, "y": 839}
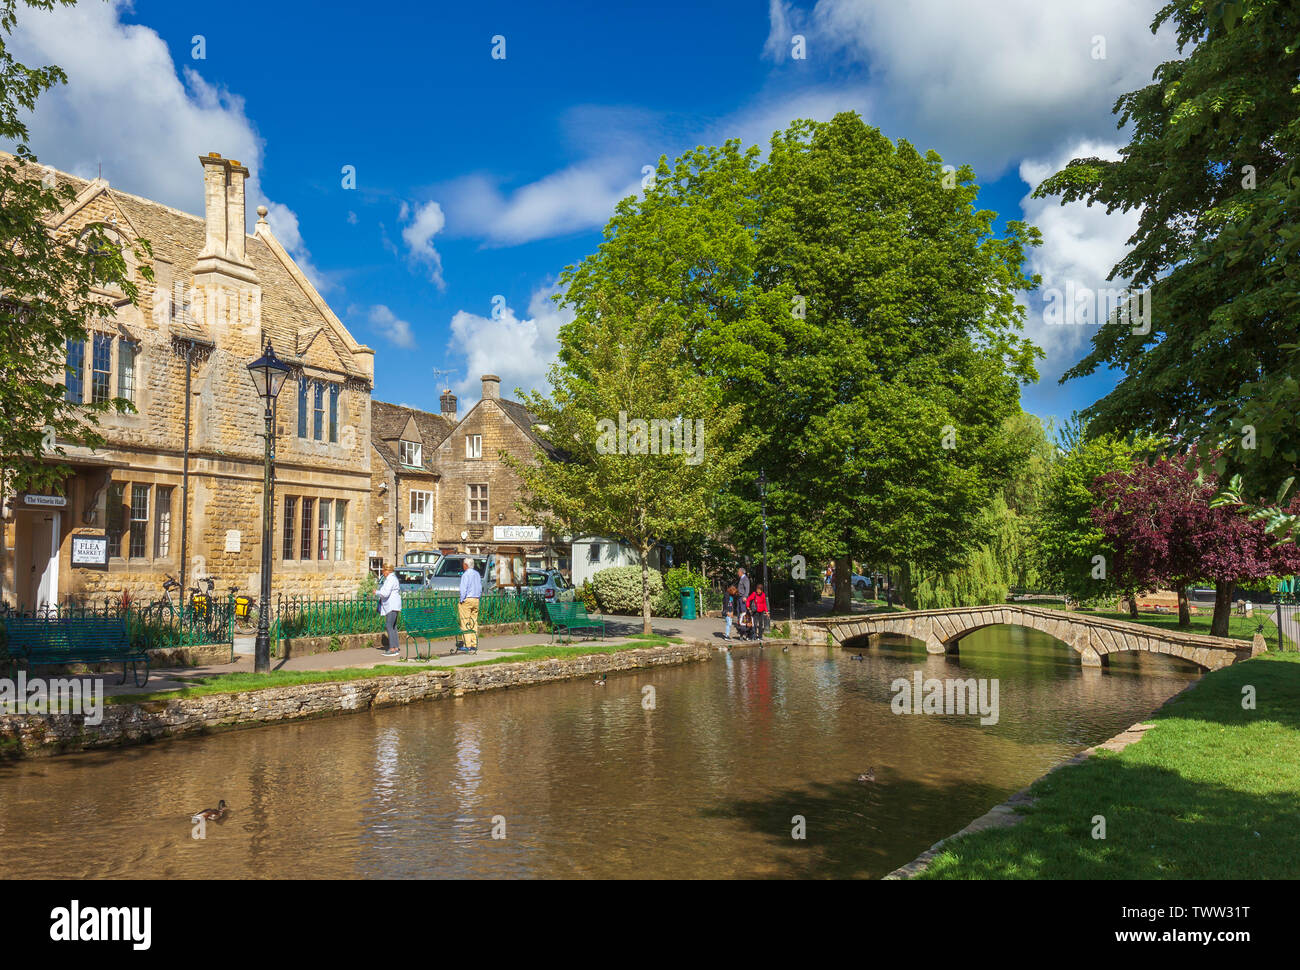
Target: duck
{"x": 858, "y": 656}
{"x": 868, "y": 776}
{"x": 211, "y": 814}
{"x": 600, "y": 681}
{"x": 785, "y": 649}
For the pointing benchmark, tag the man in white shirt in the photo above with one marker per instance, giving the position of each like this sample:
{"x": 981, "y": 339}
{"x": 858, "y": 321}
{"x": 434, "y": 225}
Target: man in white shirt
{"x": 390, "y": 607}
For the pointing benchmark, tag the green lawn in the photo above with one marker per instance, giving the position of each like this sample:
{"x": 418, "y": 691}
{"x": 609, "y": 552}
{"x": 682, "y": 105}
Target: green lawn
{"x": 234, "y": 683}
{"x": 549, "y": 651}
{"x": 1239, "y": 627}
{"x": 1211, "y": 792}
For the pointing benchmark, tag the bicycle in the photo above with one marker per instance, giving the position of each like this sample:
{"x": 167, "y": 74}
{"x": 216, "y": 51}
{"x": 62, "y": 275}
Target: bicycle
{"x": 245, "y": 610}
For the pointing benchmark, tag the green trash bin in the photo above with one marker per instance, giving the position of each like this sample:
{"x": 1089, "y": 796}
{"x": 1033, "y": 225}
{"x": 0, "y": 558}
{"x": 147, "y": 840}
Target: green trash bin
{"x": 688, "y": 602}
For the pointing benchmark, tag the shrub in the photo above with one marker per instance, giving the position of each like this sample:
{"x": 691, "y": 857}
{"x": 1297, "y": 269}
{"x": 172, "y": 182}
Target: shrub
{"x": 618, "y": 589}
{"x": 587, "y": 594}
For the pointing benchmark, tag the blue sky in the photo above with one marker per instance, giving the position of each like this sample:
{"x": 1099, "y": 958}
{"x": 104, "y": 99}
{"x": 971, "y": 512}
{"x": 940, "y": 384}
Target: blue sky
{"x": 479, "y": 177}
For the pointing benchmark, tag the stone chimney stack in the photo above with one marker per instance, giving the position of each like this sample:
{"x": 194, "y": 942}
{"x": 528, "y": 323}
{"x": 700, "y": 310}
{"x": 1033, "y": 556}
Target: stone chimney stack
{"x": 448, "y": 401}
{"x": 491, "y": 387}
{"x": 224, "y": 252}
{"x": 235, "y": 231}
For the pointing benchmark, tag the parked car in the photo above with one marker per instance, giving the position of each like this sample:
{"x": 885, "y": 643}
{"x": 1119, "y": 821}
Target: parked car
{"x": 446, "y": 574}
{"x": 549, "y": 584}
{"x": 412, "y": 579}
{"x": 422, "y": 557}
{"x": 861, "y": 583}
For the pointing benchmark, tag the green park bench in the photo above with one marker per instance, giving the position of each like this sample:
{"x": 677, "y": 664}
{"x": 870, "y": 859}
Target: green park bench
{"x": 73, "y": 640}
{"x": 430, "y": 623}
{"x": 567, "y": 617}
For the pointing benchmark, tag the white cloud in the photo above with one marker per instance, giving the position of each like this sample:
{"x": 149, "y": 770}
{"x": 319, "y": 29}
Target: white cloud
{"x": 989, "y": 81}
{"x": 573, "y": 199}
{"x": 127, "y": 107}
{"x": 387, "y": 325}
{"x": 1081, "y": 244}
{"x": 426, "y": 221}
{"x": 519, "y": 351}
{"x": 781, "y": 15}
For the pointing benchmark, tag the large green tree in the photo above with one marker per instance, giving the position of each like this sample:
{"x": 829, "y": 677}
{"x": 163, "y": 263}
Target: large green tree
{"x": 849, "y": 297}
{"x": 48, "y": 285}
{"x": 1212, "y": 167}
{"x": 640, "y": 444}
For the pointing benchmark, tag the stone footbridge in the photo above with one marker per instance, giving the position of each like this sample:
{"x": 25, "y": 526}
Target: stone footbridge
{"x": 1093, "y": 638}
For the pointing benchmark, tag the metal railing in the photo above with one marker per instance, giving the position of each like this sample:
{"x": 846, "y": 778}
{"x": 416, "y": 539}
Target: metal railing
{"x": 328, "y": 616}
{"x": 158, "y": 625}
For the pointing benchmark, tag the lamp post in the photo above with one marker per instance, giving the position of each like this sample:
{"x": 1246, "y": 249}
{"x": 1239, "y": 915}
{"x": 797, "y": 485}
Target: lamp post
{"x": 762, "y": 500}
{"x": 268, "y": 373}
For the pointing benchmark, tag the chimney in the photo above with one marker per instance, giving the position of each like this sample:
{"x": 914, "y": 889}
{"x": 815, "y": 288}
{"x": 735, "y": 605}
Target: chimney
{"x": 224, "y": 251}
{"x": 235, "y": 226}
{"x": 448, "y": 401}
{"x": 491, "y": 387}
{"x": 214, "y": 203}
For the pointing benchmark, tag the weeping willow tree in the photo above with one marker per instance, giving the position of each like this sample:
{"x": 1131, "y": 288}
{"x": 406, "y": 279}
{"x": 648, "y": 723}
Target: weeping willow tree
{"x": 1003, "y": 559}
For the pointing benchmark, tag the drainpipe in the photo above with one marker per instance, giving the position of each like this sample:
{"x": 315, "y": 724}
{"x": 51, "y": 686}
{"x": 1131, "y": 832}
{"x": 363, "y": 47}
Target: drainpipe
{"x": 185, "y": 472}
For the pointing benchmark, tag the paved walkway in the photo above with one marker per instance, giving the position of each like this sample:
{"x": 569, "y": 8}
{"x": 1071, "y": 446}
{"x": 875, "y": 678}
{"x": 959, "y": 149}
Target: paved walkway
{"x": 618, "y": 629}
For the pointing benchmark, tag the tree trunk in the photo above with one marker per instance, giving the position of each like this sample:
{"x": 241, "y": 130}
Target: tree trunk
{"x": 1184, "y": 610}
{"x": 843, "y": 586}
{"x": 1222, "y": 608}
{"x": 906, "y": 596}
{"x": 645, "y": 589}
{"x": 1133, "y": 604}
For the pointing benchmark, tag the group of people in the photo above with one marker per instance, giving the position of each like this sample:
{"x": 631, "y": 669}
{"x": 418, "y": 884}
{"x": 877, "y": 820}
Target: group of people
{"x": 748, "y": 609}
{"x": 389, "y": 595}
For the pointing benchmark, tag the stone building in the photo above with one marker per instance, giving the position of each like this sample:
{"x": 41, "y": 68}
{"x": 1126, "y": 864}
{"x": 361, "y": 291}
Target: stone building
{"x": 445, "y": 486}
{"x": 122, "y": 520}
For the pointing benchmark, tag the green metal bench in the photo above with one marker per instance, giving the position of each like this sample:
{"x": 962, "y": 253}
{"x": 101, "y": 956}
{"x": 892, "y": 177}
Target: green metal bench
{"x": 73, "y": 640}
{"x": 567, "y": 617}
{"x": 431, "y": 623}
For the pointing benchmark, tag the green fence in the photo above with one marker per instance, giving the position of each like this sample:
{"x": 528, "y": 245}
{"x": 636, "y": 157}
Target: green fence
{"x": 153, "y": 626}
{"x": 328, "y": 616}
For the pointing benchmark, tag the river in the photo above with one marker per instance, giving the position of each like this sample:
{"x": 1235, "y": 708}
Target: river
{"x": 707, "y": 777}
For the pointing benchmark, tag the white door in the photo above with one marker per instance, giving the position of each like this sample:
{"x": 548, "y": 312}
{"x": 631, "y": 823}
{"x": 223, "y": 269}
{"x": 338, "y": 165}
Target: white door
{"x": 45, "y": 559}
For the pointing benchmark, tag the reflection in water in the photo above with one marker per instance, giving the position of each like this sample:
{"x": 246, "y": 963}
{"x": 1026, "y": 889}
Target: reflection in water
{"x": 588, "y": 781}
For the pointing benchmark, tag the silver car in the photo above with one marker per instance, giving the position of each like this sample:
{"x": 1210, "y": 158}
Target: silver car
{"x": 549, "y": 584}
{"x": 446, "y": 574}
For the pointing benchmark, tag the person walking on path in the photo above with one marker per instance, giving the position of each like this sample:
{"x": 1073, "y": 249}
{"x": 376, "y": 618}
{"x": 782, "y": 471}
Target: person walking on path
{"x": 757, "y": 603}
{"x": 742, "y": 587}
{"x": 471, "y": 588}
{"x": 389, "y": 595}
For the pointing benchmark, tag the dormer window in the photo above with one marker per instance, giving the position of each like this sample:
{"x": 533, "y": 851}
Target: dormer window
{"x": 411, "y": 452}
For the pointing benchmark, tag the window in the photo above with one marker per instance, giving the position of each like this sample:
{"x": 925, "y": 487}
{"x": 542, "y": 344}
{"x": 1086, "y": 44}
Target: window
{"x": 421, "y": 512}
{"x": 302, "y": 408}
{"x": 593, "y": 552}
{"x": 318, "y": 412}
{"x": 290, "y": 525}
{"x": 334, "y": 414}
{"x": 478, "y": 503}
{"x": 101, "y": 368}
{"x": 340, "y": 520}
{"x": 307, "y": 509}
{"x": 473, "y": 446}
{"x": 139, "y": 520}
{"x": 412, "y": 453}
{"x": 126, "y": 354}
{"x": 324, "y": 524}
{"x": 76, "y": 376}
{"x": 162, "y": 536}
{"x": 114, "y": 518}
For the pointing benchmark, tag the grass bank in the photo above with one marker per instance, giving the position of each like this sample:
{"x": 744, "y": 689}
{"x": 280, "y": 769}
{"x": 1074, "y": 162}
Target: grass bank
{"x": 237, "y": 682}
{"x": 1239, "y": 627}
{"x": 1210, "y": 792}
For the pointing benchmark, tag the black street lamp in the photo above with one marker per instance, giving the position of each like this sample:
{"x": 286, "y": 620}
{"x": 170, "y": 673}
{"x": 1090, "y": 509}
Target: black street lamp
{"x": 762, "y": 498}
{"x": 269, "y": 373}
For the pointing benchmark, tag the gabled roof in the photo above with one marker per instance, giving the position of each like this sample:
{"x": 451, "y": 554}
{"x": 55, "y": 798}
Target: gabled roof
{"x": 290, "y": 304}
{"x": 390, "y": 422}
